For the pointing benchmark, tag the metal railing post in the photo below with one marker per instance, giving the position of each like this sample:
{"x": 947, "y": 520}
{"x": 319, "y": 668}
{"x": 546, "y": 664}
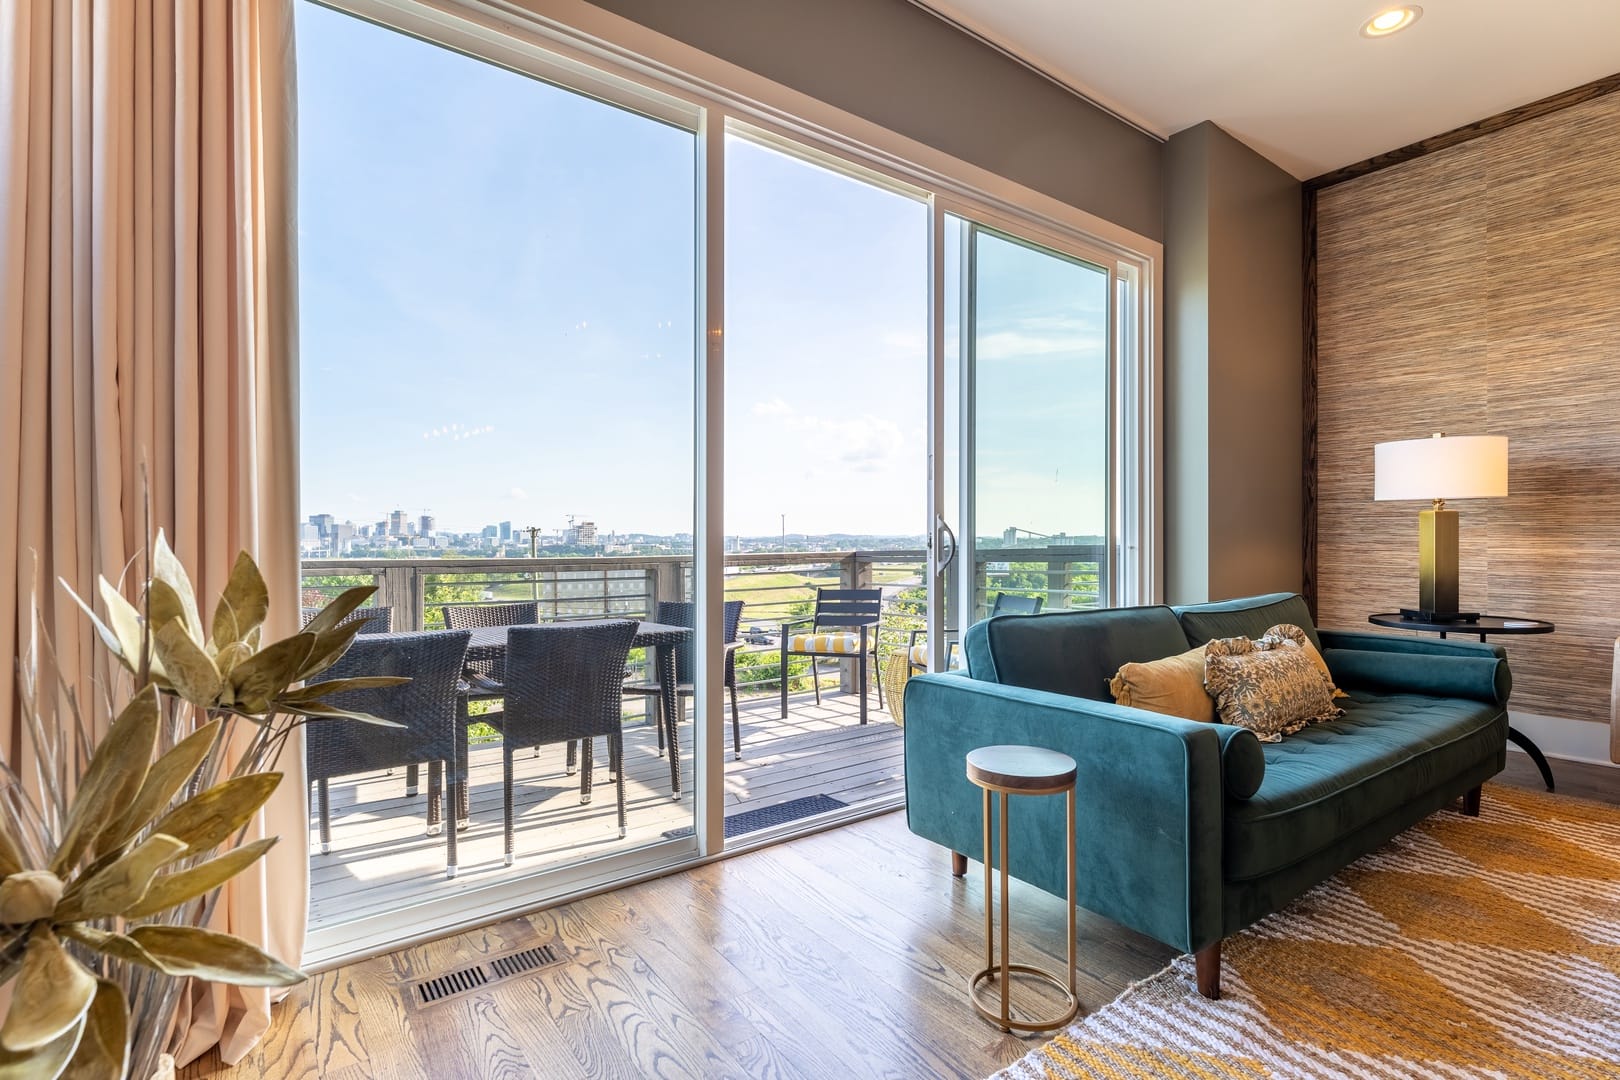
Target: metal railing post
{"x": 1057, "y": 584}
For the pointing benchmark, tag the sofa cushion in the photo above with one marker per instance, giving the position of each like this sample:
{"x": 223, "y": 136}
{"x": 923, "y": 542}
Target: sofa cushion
{"x": 1331, "y": 779}
{"x": 1250, "y": 618}
{"x": 1070, "y": 652}
{"x": 1170, "y": 686}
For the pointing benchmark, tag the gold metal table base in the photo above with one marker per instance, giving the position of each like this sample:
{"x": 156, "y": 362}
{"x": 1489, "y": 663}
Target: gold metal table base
{"x": 999, "y": 975}
{"x": 1001, "y": 1015}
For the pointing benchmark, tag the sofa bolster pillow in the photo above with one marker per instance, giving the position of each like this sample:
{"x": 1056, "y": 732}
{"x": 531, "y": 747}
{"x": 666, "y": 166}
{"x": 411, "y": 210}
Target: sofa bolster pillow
{"x": 1485, "y": 679}
{"x": 1243, "y": 763}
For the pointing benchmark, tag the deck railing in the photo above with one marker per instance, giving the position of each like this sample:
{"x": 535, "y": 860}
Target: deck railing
{"x": 775, "y": 586}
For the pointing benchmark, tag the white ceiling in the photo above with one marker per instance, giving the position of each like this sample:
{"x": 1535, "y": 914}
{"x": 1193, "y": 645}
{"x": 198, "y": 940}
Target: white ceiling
{"x": 1294, "y": 78}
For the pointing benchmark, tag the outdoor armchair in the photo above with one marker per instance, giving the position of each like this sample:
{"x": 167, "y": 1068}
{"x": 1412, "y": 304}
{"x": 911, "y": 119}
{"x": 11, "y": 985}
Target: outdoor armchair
{"x": 843, "y": 626}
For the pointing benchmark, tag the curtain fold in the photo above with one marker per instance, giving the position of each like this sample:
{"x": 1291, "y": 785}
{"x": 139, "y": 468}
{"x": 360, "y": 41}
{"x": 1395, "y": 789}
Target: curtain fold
{"x": 148, "y": 329}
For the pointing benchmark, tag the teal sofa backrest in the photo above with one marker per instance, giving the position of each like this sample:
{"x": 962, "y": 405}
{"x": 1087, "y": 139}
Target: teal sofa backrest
{"x": 1070, "y": 652}
{"x": 1249, "y": 617}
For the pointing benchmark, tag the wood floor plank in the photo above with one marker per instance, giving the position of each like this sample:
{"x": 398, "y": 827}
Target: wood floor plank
{"x": 841, "y": 954}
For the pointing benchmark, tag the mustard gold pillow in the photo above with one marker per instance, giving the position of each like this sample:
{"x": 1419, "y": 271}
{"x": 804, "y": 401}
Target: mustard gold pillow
{"x": 1173, "y": 686}
{"x": 1290, "y": 632}
{"x": 1271, "y": 687}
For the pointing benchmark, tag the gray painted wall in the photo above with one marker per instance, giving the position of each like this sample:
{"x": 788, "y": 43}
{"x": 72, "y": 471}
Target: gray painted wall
{"x": 1233, "y": 394}
{"x": 889, "y": 62}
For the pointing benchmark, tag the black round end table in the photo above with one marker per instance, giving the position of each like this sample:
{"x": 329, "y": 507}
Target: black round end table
{"x": 1483, "y": 625}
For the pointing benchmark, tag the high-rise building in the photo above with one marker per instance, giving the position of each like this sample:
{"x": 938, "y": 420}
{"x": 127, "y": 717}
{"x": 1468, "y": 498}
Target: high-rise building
{"x": 425, "y": 525}
{"x": 583, "y": 533}
{"x": 490, "y": 532}
{"x": 506, "y": 530}
{"x": 396, "y": 523}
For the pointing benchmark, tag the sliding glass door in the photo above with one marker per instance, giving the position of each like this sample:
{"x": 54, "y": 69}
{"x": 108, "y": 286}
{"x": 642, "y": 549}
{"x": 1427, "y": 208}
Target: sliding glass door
{"x": 1027, "y": 428}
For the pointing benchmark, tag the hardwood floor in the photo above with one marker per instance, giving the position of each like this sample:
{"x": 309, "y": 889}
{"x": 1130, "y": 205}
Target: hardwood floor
{"x": 382, "y": 857}
{"x": 842, "y": 954}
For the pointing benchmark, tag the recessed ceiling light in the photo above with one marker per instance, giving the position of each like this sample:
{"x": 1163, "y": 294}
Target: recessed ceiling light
{"x": 1390, "y": 22}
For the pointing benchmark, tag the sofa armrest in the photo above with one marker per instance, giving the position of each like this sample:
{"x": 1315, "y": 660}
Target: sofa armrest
{"x": 1475, "y": 677}
{"x": 1372, "y": 641}
{"x": 1149, "y": 797}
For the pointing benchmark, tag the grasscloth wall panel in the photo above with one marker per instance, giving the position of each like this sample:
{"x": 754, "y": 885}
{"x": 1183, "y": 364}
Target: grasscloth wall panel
{"x": 1477, "y": 291}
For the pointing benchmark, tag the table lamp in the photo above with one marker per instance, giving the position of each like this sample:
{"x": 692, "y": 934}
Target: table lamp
{"x": 1440, "y": 468}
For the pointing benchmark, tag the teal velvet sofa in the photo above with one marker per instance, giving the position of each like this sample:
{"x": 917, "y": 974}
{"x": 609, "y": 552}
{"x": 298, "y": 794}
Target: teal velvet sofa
{"x": 1190, "y": 831}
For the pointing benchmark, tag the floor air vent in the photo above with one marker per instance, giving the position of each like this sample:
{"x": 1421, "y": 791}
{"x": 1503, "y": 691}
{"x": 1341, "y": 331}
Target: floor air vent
{"x": 466, "y": 980}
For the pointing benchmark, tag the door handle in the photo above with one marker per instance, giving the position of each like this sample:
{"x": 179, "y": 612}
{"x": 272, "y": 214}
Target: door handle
{"x": 950, "y": 554}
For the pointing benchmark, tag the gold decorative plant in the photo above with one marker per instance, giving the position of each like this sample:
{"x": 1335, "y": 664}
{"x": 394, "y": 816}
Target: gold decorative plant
{"x": 113, "y": 850}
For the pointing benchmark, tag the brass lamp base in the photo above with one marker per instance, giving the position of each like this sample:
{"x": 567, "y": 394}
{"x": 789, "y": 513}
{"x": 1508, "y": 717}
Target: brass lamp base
{"x": 1438, "y": 569}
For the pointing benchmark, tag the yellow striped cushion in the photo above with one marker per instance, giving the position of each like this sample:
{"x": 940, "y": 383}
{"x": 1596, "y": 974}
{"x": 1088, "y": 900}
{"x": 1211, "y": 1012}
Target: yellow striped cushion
{"x": 919, "y": 656}
{"x": 848, "y": 644}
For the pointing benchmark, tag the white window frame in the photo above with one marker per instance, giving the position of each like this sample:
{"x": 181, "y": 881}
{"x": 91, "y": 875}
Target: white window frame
{"x": 587, "y": 50}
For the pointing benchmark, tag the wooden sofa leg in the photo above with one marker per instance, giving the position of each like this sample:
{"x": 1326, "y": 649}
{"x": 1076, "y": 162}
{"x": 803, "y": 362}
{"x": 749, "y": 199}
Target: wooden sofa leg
{"x": 1208, "y": 962}
{"x": 958, "y": 864}
{"x": 1471, "y": 802}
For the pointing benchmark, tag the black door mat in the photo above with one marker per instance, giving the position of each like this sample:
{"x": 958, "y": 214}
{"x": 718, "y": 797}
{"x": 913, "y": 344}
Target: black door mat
{"x": 753, "y": 820}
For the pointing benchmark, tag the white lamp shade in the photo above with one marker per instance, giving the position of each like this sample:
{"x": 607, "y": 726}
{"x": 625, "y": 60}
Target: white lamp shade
{"x": 1444, "y": 467}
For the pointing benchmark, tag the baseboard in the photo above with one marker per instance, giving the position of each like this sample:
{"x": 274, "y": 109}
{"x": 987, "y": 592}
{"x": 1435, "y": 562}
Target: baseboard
{"x": 1565, "y": 739}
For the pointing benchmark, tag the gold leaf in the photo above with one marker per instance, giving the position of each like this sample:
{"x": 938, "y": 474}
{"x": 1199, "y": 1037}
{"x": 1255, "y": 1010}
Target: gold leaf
{"x": 121, "y": 885}
{"x": 170, "y": 889}
{"x": 327, "y": 688}
{"x": 29, "y": 896}
{"x": 330, "y": 645}
{"x": 51, "y": 994}
{"x": 257, "y": 680}
{"x": 165, "y": 606}
{"x": 340, "y": 608}
{"x": 115, "y": 945}
{"x": 227, "y": 658}
{"x": 165, "y": 778}
{"x": 167, "y": 569}
{"x": 43, "y": 1063}
{"x": 243, "y": 604}
{"x": 11, "y": 859}
{"x": 194, "y": 675}
{"x": 205, "y": 820}
{"x": 116, "y": 771}
{"x": 190, "y": 950}
{"x": 318, "y": 710}
{"x": 108, "y": 637}
{"x": 103, "y": 1052}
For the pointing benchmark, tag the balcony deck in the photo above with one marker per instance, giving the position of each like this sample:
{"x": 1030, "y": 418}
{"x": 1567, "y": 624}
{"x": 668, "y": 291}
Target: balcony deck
{"x": 382, "y": 858}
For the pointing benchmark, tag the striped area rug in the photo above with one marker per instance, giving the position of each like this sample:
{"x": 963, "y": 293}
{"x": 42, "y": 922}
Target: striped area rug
{"x": 1465, "y": 948}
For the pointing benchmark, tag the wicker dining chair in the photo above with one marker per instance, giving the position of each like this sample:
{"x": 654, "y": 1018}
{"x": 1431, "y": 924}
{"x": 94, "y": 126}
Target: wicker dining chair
{"x": 377, "y": 620}
{"x": 681, "y": 613}
{"x": 426, "y": 707}
{"x": 564, "y": 683}
{"x": 479, "y": 616}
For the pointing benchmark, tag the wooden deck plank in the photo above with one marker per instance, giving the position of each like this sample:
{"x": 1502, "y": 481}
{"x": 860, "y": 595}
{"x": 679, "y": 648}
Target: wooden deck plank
{"x": 382, "y": 856}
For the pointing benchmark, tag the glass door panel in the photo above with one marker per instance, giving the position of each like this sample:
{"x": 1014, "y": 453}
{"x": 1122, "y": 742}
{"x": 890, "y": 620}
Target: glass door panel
{"x": 1028, "y": 333}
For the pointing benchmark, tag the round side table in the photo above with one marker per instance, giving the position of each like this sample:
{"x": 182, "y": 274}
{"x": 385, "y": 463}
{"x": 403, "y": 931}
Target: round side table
{"x": 1020, "y": 770}
{"x": 1483, "y": 625}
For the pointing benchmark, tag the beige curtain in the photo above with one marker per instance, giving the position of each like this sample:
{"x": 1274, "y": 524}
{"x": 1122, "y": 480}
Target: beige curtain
{"x": 147, "y": 320}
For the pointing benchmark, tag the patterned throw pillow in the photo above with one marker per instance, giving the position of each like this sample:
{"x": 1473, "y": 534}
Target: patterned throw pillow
{"x": 1270, "y": 686}
{"x": 1290, "y": 632}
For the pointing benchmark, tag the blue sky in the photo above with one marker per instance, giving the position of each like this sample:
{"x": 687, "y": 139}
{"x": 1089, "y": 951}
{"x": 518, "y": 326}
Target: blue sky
{"x": 497, "y": 319}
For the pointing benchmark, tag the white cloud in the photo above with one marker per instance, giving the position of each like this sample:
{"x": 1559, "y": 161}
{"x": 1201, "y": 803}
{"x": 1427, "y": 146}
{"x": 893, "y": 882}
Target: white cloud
{"x": 518, "y": 493}
{"x": 773, "y": 407}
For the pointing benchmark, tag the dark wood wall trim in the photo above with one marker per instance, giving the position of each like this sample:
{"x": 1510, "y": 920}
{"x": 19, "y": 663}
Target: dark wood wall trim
{"x": 1535, "y": 109}
{"x": 1308, "y": 386}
